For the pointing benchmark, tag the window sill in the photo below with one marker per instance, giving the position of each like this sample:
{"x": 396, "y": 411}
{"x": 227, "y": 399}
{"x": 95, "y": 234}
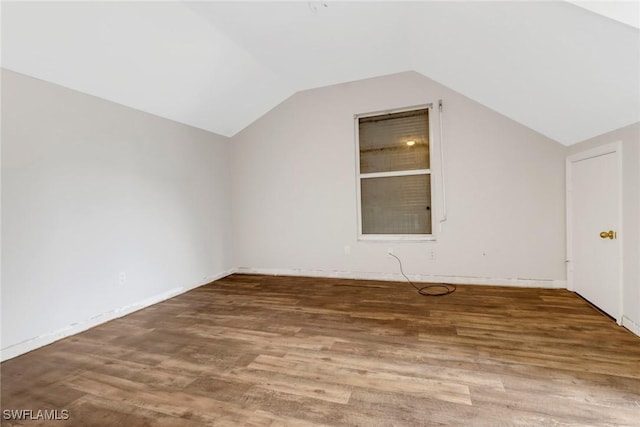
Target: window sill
{"x": 397, "y": 238}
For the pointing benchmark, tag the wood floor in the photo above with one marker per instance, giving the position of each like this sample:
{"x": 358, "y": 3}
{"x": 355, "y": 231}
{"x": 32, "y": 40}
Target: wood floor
{"x": 265, "y": 350}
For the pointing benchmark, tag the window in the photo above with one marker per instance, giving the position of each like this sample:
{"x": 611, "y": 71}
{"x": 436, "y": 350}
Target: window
{"x": 394, "y": 174}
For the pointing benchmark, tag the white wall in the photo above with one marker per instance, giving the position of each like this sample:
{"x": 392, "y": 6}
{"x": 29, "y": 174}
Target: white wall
{"x": 630, "y": 137}
{"x": 91, "y": 189}
{"x": 294, "y": 191}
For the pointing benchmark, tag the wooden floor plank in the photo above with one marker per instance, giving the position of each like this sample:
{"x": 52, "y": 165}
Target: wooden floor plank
{"x": 253, "y": 350}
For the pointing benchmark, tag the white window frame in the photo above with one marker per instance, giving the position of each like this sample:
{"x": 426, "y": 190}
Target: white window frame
{"x": 360, "y": 176}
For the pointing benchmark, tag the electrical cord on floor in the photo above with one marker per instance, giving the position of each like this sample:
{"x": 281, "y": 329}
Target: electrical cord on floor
{"x": 426, "y": 290}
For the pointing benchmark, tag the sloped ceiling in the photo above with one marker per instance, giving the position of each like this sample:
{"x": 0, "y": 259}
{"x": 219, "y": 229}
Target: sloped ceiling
{"x": 555, "y": 67}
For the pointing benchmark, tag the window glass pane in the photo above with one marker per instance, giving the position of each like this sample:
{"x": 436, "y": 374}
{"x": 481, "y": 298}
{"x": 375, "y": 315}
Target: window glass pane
{"x": 396, "y": 205}
{"x": 394, "y": 142}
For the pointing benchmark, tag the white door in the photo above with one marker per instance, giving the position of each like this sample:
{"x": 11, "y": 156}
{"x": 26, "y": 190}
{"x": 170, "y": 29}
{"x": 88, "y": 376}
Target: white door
{"x": 594, "y": 191}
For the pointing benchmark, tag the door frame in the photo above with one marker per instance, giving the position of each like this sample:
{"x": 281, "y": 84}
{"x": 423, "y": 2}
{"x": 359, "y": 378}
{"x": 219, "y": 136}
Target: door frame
{"x": 613, "y": 147}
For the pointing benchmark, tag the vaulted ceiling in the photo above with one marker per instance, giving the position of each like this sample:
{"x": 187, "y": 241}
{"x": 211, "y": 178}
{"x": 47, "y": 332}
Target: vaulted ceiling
{"x": 556, "y": 67}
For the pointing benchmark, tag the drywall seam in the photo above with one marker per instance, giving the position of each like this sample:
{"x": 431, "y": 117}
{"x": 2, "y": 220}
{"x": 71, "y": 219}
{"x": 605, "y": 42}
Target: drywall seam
{"x": 396, "y": 277}
{"x": 631, "y": 325}
{"x": 75, "y": 328}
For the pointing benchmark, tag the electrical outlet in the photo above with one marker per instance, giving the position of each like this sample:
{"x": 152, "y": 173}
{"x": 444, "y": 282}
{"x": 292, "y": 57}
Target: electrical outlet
{"x": 122, "y": 278}
{"x": 432, "y": 255}
{"x": 347, "y": 249}
{"x": 390, "y": 251}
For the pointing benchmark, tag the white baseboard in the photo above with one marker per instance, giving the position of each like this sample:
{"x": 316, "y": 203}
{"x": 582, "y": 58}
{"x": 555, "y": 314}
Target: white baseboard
{"x": 418, "y": 278}
{"x": 75, "y": 328}
{"x": 631, "y": 325}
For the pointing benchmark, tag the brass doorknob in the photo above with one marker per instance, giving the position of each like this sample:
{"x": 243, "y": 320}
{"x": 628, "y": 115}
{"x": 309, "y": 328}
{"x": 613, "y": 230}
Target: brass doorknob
{"x": 608, "y": 234}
